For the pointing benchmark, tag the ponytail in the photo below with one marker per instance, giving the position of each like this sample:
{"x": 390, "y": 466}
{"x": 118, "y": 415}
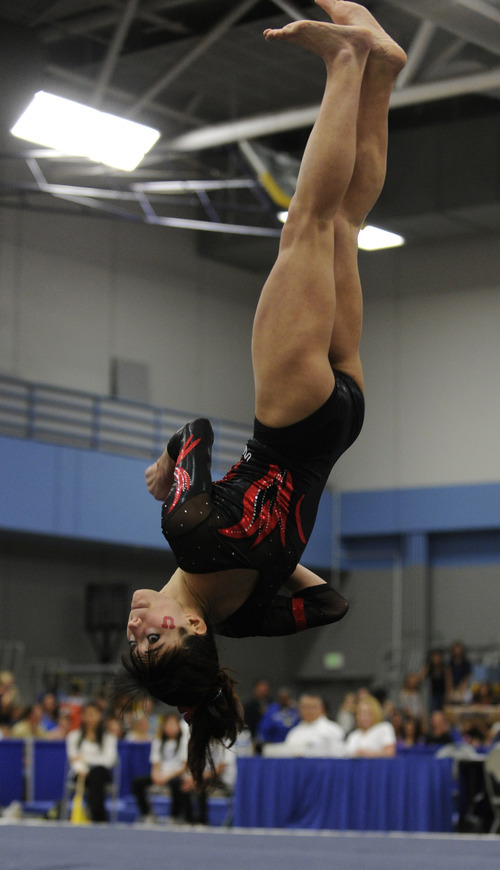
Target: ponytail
{"x": 187, "y": 676}
{"x": 219, "y": 718}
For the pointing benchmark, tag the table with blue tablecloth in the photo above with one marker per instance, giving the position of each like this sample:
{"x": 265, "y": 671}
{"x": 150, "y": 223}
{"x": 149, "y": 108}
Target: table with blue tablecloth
{"x": 407, "y": 793}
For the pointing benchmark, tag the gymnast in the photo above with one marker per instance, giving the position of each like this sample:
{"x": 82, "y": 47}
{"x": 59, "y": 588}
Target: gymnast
{"x": 239, "y": 540}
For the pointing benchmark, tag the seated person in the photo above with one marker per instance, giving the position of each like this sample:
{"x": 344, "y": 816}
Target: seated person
{"x": 92, "y": 753}
{"x": 373, "y": 738}
{"x": 440, "y": 732}
{"x": 221, "y": 779}
{"x": 315, "y": 735}
{"x": 279, "y": 718}
{"x": 168, "y": 759}
{"x": 30, "y": 725}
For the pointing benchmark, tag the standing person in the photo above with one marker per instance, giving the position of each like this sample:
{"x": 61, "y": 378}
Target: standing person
{"x": 458, "y": 674}
{"x": 435, "y": 672}
{"x": 238, "y": 541}
{"x": 255, "y": 707}
{"x": 92, "y": 754}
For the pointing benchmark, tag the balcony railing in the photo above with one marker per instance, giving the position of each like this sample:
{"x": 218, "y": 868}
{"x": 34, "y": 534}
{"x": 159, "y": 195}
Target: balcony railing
{"x": 68, "y": 417}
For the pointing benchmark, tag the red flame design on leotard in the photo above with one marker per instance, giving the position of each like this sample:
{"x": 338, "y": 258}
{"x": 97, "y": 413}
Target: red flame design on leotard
{"x": 181, "y": 477}
{"x": 266, "y": 504}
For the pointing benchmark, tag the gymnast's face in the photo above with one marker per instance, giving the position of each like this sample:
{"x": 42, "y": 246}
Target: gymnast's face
{"x": 155, "y": 620}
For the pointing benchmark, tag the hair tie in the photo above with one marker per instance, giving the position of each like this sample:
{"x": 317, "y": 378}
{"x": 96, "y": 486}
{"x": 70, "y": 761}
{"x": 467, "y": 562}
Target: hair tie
{"x": 187, "y": 714}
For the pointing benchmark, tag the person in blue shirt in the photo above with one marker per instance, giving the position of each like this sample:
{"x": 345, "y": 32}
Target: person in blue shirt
{"x": 279, "y": 718}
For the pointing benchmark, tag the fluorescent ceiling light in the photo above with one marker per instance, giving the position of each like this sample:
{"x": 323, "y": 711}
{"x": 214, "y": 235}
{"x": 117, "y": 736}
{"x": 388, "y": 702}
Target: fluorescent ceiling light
{"x": 374, "y": 239}
{"x": 79, "y": 130}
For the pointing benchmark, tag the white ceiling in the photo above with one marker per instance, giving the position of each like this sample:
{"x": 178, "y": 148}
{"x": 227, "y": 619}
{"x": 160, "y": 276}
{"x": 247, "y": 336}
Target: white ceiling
{"x": 200, "y": 71}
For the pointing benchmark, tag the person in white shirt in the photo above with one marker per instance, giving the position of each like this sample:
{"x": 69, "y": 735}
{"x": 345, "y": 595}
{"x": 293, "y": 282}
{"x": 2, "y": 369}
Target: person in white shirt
{"x": 315, "y": 735}
{"x": 168, "y": 758}
{"x": 373, "y": 738}
{"x": 92, "y": 754}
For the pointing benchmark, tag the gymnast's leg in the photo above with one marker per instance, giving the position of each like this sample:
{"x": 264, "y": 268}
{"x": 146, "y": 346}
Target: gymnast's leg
{"x": 385, "y": 61}
{"x": 296, "y": 312}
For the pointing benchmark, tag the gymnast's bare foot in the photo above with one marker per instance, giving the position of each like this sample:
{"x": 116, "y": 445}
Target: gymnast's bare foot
{"x": 384, "y": 47}
{"x": 326, "y": 40}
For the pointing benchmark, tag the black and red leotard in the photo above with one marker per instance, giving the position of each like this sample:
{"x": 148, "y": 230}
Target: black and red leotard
{"x": 261, "y": 514}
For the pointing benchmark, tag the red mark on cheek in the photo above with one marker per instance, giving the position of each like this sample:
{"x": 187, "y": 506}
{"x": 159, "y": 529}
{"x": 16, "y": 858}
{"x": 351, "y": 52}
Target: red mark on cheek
{"x": 168, "y": 622}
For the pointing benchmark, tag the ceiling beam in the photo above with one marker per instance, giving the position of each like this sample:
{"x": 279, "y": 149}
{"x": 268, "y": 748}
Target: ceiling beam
{"x": 198, "y": 49}
{"x": 89, "y": 22}
{"x": 293, "y": 119}
{"x": 416, "y": 53}
{"x": 113, "y": 52}
{"x": 476, "y": 21}
{"x": 61, "y": 74}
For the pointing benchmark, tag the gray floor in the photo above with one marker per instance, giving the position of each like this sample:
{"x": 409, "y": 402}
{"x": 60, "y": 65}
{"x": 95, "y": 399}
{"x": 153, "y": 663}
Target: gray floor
{"x": 57, "y": 846}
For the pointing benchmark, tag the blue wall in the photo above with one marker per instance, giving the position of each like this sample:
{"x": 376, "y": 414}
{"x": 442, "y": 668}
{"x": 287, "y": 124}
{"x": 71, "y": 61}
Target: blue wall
{"x": 453, "y": 525}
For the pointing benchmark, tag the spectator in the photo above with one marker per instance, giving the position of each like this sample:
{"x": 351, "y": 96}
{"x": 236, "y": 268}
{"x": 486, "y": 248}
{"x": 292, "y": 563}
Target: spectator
{"x": 114, "y": 725}
{"x": 50, "y": 711}
{"x": 10, "y": 701}
{"x": 256, "y": 706}
{"x": 397, "y": 720}
{"x": 139, "y": 730}
{"x": 386, "y": 704}
{"x": 225, "y": 777}
{"x": 409, "y": 733}
{"x": 92, "y": 754}
{"x": 458, "y": 675}
{"x": 168, "y": 759}
{"x": 410, "y": 699}
{"x": 373, "y": 738}
{"x": 30, "y": 724}
{"x": 63, "y": 726}
{"x": 346, "y": 715}
{"x": 315, "y": 735}
{"x": 484, "y": 695}
{"x": 74, "y": 702}
{"x": 278, "y": 719}
{"x": 440, "y": 732}
{"x": 435, "y": 673}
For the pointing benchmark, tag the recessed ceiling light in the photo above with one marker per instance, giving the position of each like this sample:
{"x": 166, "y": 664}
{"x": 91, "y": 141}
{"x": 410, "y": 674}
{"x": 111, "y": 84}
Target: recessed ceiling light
{"x": 75, "y": 129}
{"x": 374, "y": 239}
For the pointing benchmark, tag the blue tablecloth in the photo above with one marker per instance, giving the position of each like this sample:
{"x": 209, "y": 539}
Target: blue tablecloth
{"x": 412, "y": 793}
{"x": 49, "y": 767}
{"x": 11, "y": 771}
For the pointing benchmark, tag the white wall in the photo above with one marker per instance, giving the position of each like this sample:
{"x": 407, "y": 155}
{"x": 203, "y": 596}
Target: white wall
{"x": 76, "y": 292}
{"x": 431, "y": 355}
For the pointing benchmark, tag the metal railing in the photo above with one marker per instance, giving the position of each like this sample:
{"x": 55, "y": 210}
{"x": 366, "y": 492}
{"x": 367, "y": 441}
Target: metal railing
{"x": 60, "y": 416}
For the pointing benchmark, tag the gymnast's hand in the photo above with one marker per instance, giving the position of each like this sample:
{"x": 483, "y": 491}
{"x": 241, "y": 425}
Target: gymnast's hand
{"x": 160, "y": 477}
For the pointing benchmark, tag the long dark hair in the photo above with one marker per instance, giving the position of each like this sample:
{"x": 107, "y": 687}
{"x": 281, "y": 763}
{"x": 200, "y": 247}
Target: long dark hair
{"x": 99, "y": 731}
{"x": 187, "y": 676}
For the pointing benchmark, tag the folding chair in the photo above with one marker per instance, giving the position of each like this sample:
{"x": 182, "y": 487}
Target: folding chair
{"x": 112, "y": 791}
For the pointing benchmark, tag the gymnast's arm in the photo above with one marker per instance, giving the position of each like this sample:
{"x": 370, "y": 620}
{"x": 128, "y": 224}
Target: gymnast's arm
{"x": 190, "y": 448}
{"x": 312, "y": 603}
{"x": 302, "y": 578}
{"x": 160, "y": 476}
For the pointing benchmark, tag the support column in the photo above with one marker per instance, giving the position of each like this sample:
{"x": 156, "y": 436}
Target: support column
{"x": 415, "y": 626}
